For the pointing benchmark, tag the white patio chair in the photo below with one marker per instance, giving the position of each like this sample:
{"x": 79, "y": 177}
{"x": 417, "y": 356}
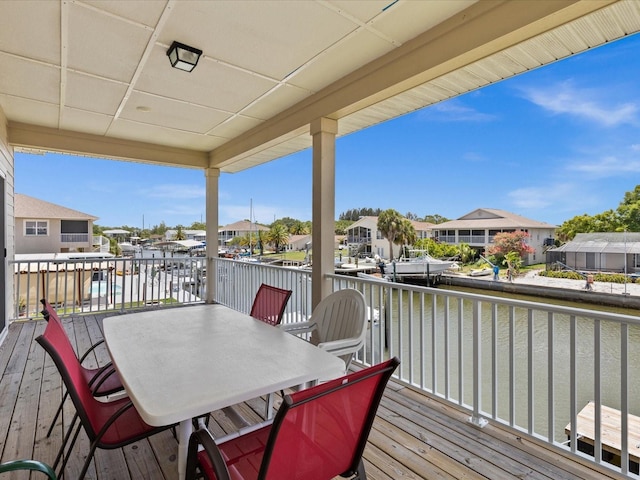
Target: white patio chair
{"x": 338, "y": 324}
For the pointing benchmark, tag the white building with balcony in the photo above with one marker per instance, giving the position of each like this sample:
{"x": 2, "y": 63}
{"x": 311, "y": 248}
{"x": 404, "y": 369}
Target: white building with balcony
{"x": 479, "y": 227}
{"x": 44, "y": 227}
{"x": 363, "y": 236}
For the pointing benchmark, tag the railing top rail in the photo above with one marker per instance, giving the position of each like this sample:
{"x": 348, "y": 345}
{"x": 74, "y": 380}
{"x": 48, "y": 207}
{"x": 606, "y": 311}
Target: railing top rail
{"x": 558, "y": 309}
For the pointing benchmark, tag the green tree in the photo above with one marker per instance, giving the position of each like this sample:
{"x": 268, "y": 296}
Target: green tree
{"x": 198, "y": 226}
{"x": 434, "y": 219}
{"x": 298, "y": 228}
{"x": 278, "y": 235}
{"x": 342, "y": 226}
{"x": 437, "y": 249}
{"x": 390, "y": 226}
{"x": 406, "y": 234}
{"x": 629, "y": 211}
{"x": 180, "y": 235}
{"x": 608, "y": 221}
{"x": 467, "y": 254}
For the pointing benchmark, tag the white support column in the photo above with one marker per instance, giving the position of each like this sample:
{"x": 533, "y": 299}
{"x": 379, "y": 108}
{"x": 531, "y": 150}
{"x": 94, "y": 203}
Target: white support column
{"x": 212, "y": 176}
{"x": 323, "y": 131}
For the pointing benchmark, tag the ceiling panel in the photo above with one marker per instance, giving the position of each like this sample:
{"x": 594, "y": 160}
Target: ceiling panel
{"x": 28, "y": 25}
{"x": 104, "y": 45}
{"x": 89, "y": 122}
{"x": 95, "y": 93}
{"x": 171, "y": 113}
{"x": 232, "y": 90}
{"x": 43, "y": 80}
{"x": 269, "y": 38}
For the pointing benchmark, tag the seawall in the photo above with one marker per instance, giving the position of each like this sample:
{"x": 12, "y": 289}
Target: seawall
{"x": 583, "y": 296}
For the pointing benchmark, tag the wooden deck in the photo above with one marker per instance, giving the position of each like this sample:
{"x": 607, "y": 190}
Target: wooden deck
{"x": 415, "y": 436}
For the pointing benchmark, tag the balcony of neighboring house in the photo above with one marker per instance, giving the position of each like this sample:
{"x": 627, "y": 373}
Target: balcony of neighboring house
{"x": 76, "y": 232}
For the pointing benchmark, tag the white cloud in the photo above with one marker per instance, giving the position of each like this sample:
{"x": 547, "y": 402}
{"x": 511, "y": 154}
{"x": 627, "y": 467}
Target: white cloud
{"x": 557, "y": 196}
{"x": 455, "y": 111}
{"x": 588, "y": 104}
{"x": 607, "y": 167}
{"x": 174, "y": 191}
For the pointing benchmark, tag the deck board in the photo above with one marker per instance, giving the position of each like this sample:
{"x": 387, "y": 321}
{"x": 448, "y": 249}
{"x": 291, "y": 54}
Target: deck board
{"x": 415, "y": 436}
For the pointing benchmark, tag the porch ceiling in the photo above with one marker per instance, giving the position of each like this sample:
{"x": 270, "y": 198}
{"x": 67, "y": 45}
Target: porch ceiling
{"x": 91, "y": 77}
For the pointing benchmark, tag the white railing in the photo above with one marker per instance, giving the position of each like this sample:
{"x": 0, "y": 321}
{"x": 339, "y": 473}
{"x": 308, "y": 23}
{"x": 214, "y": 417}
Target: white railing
{"x": 238, "y": 282}
{"x": 76, "y": 286}
{"x": 74, "y": 237}
{"x": 527, "y": 365}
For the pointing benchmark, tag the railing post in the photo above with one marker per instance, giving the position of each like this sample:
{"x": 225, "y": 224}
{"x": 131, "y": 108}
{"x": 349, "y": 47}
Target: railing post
{"x": 475, "y": 417}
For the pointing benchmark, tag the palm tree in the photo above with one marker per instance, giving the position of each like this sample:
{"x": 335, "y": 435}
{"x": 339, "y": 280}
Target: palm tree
{"x": 407, "y": 234}
{"x": 278, "y": 235}
{"x": 390, "y": 225}
{"x": 180, "y": 234}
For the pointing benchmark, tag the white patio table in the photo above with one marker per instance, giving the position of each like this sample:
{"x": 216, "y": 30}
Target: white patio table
{"x": 179, "y": 363}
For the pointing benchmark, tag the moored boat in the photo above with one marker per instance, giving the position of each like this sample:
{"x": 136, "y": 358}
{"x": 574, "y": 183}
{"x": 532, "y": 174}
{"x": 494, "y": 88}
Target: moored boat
{"x": 418, "y": 263}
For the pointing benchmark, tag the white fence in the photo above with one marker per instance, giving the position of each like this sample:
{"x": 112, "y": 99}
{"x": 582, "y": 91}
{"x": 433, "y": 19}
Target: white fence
{"x": 531, "y": 366}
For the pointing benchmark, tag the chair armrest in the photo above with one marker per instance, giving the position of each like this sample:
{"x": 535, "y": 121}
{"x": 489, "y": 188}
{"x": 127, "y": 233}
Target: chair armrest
{"x": 203, "y": 437}
{"x": 91, "y": 349}
{"x": 342, "y": 346}
{"x": 298, "y": 328}
{"x": 28, "y": 465}
{"x": 101, "y": 375}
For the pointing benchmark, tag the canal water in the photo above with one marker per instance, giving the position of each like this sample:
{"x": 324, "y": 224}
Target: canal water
{"x": 452, "y": 350}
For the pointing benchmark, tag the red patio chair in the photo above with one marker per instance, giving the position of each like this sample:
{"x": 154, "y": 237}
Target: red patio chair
{"x": 317, "y": 434}
{"x": 269, "y": 304}
{"x": 108, "y": 425}
{"x": 103, "y": 381}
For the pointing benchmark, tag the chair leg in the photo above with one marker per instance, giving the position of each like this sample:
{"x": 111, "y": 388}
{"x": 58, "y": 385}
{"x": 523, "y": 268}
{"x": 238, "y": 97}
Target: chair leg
{"x": 65, "y": 439}
{"x": 87, "y": 462}
{"x": 268, "y": 414}
{"x": 65, "y": 458}
{"x": 53, "y": 422}
{"x": 361, "y": 474}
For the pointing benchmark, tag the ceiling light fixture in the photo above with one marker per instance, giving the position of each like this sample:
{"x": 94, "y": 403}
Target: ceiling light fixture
{"x": 183, "y": 56}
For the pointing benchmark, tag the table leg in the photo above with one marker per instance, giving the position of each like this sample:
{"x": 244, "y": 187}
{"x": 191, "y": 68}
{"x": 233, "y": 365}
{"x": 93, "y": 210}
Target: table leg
{"x": 184, "y": 432}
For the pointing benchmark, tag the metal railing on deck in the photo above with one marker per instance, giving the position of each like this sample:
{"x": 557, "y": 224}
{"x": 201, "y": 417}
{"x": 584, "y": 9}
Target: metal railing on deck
{"x": 92, "y": 285}
{"x": 527, "y": 365}
{"x": 531, "y": 366}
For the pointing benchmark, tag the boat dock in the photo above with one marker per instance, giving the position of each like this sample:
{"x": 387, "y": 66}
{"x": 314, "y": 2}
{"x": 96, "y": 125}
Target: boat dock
{"x": 611, "y": 434}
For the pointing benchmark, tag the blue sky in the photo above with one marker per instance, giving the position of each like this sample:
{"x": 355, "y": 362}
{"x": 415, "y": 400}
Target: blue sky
{"x": 557, "y": 142}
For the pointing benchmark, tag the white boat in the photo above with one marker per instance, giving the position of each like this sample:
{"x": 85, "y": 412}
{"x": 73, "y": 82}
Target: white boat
{"x": 419, "y": 263}
{"x": 127, "y": 247}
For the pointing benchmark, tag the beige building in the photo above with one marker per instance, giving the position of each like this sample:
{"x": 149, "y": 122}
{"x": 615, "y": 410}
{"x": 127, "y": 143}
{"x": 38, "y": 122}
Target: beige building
{"x": 238, "y": 229}
{"x": 477, "y": 229}
{"x": 43, "y": 227}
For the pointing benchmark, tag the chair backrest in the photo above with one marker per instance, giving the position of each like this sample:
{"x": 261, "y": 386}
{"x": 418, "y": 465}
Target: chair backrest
{"x": 321, "y": 432}
{"x": 269, "y": 304}
{"x": 340, "y": 315}
{"x": 56, "y": 342}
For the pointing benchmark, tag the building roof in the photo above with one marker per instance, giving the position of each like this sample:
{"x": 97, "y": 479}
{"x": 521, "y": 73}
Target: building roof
{"x": 603, "y": 242}
{"x": 482, "y": 218}
{"x": 30, "y": 207}
{"x": 422, "y": 226}
{"x": 242, "y": 226}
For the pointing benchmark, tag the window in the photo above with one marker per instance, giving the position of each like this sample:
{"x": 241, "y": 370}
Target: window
{"x": 36, "y": 228}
